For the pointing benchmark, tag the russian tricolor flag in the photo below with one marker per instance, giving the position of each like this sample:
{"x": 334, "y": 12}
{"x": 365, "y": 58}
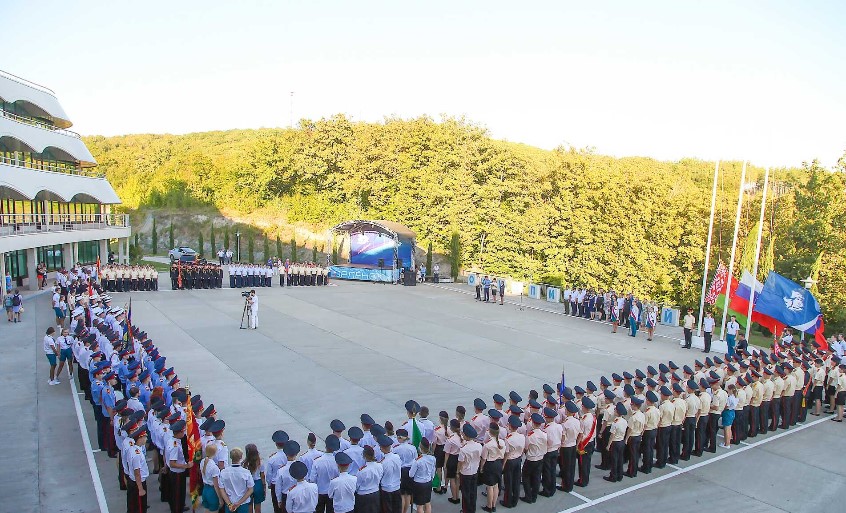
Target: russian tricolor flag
{"x": 739, "y": 304}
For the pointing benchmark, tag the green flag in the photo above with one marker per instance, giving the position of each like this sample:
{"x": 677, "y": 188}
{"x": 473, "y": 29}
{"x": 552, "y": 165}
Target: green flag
{"x": 741, "y": 316}
{"x": 416, "y": 434}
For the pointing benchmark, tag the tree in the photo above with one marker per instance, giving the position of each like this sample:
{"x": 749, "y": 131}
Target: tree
{"x": 429, "y": 260}
{"x": 226, "y": 236}
{"x": 334, "y": 250}
{"x": 251, "y": 248}
{"x": 278, "y": 246}
{"x": 314, "y": 252}
{"x": 212, "y": 242}
{"x": 455, "y": 255}
{"x": 172, "y": 243}
{"x": 154, "y": 239}
{"x": 265, "y": 248}
{"x": 294, "y": 249}
{"x": 200, "y": 243}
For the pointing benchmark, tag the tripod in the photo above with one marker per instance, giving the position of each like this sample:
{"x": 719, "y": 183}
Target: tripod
{"x": 245, "y": 316}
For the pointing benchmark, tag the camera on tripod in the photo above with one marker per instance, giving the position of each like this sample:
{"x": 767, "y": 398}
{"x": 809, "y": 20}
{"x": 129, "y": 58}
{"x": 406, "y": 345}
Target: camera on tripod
{"x": 245, "y": 294}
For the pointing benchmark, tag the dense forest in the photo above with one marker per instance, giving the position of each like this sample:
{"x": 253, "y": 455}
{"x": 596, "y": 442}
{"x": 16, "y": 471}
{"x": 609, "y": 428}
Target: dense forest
{"x": 565, "y": 216}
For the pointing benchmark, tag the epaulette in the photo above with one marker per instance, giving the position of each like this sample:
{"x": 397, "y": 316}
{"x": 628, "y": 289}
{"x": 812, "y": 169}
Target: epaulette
{"x": 291, "y": 488}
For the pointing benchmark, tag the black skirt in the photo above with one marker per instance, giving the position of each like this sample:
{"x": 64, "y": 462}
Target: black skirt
{"x": 451, "y": 466}
{"x": 840, "y": 399}
{"x": 405, "y": 481}
{"x": 817, "y": 393}
{"x": 492, "y": 472}
{"x": 440, "y": 456}
{"x": 421, "y": 493}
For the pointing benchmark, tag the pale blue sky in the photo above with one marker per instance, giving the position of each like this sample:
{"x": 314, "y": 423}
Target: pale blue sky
{"x": 762, "y": 80}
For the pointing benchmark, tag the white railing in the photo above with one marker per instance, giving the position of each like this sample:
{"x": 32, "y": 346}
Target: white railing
{"x": 23, "y": 224}
{"x": 27, "y": 83}
{"x": 39, "y": 124}
{"x": 50, "y": 168}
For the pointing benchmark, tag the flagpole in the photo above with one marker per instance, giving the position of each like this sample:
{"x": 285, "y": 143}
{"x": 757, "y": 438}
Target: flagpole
{"x": 757, "y": 252}
{"x": 708, "y": 249}
{"x": 733, "y": 246}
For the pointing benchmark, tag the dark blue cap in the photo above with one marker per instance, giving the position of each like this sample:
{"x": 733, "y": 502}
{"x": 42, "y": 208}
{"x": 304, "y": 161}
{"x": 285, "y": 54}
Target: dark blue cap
{"x": 571, "y": 407}
{"x": 206, "y": 423}
{"x": 740, "y": 381}
{"x": 718, "y": 360}
{"x": 692, "y": 384}
{"x": 291, "y": 448}
{"x": 333, "y": 443}
{"x": 609, "y": 394}
{"x": 673, "y": 365}
{"x": 687, "y": 369}
{"x": 675, "y": 377}
{"x": 534, "y": 404}
{"x": 342, "y": 458}
{"x": 479, "y": 404}
{"x": 627, "y": 375}
{"x": 628, "y": 389}
{"x": 578, "y": 390}
{"x": 411, "y": 406}
{"x": 677, "y": 388}
{"x": 640, "y": 375}
{"x": 714, "y": 375}
{"x": 337, "y": 426}
{"x": 367, "y": 420}
{"x": 547, "y": 388}
{"x": 355, "y": 433}
{"x": 663, "y": 368}
{"x": 551, "y": 400}
{"x": 604, "y": 381}
{"x": 514, "y": 396}
{"x": 280, "y": 437}
{"x": 666, "y": 391}
{"x": 494, "y": 414}
{"x": 377, "y": 429}
{"x": 568, "y": 394}
{"x": 549, "y": 413}
{"x": 537, "y": 419}
{"x": 709, "y": 362}
{"x": 384, "y": 441}
{"x": 298, "y": 470}
{"x": 732, "y": 368}
{"x": 469, "y": 431}
{"x": 515, "y": 410}
{"x": 697, "y": 363}
{"x": 638, "y": 384}
{"x": 651, "y": 370}
{"x": 588, "y": 403}
{"x": 177, "y": 426}
{"x": 616, "y": 377}
{"x": 209, "y": 411}
{"x": 514, "y": 421}
{"x": 591, "y": 387}
{"x": 498, "y": 399}
{"x": 217, "y": 426}
{"x": 650, "y": 396}
{"x": 140, "y": 430}
{"x": 651, "y": 382}
{"x": 637, "y": 400}
{"x": 703, "y": 383}
{"x": 621, "y": 409}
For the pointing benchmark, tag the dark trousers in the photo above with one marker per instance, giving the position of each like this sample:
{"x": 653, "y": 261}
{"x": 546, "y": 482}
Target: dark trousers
{"x": 605, "y": 454}
{"x": 136, "y": 503}
{"x": 84, "y": 381}
{"x": 617, "y": 455}
{"x": 787, "y": 411}
{"x": 479, "y": 292}
{"x": 273, "y": 498}
{"x": 663, "y": 446}
{"x": 688, "y": 338}
{"x": 368, "y": 503}
{"x": 324, "y": 504}
{"x": 688, "y": 437}
{"x": 584, "y": 464}
{"x": 675, "y": 441}
{"x": 573, "y": 308}
{"x": 775, "y": 413}
{"x": 763, "y": 417}
{"x": 487, "y": 294}
{"x": 177, "y": 491}
{"x": 713, "y": 425}
{"x": 754, "y": 417}
{"x": 467, "y": 484}
{"x": 101, "y": 432}
{"x": 550, "y": 463}
{"x": 568, "y": 467}
{"x": 708, "y": 336}
{"x": 648, "y": 449}
{"x": 511, "y": 482}
{"x": 802, "y": 411}
{"x": 634, "y": 452}
{"x": 531, "y": 479}
{"x": 391, "y": 502}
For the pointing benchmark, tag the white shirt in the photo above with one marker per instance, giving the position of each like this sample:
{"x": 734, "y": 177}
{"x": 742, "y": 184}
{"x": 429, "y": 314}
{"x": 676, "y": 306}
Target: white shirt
{"x": 708, "y": 324}
{"x": 342, "y": 492}
{"x": 732, "y": 327}
{"x": 209, "y": 470}
{"x": 49, "y": 345}
{"x": 255, "y": 304}
{"x": 235, "y": 480}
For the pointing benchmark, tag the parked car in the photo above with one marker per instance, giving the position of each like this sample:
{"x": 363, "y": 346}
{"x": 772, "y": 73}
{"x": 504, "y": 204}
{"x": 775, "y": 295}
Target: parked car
{"x": 183, "y": 254}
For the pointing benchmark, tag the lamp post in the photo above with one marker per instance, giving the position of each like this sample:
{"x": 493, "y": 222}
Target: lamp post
{"x": 808, "y": 283}
{"x": 238, "y": 245}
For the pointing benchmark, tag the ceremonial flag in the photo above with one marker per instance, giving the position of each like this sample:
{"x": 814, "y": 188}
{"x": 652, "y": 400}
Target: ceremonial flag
{"x": 195, "y": 453}
{"x": 790, "y": 303}
{"x": 561, "y": 387}
{"x": 98, "y": 267}
{"x": 716, "y": 292}
{"x": 740, "y": 303}
{"x": 129, "y": 322}
{"x": 416, "y": 434}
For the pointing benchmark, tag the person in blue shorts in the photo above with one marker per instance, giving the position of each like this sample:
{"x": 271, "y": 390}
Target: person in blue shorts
{"x": 51, "y": 350}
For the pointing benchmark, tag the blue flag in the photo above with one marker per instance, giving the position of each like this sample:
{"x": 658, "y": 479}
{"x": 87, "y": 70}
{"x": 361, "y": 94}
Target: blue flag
{"x": 788, "y": 302}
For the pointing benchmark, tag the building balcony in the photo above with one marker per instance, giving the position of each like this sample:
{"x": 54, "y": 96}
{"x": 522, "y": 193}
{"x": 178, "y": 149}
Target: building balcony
{"x": 24, "y": 183}
{"x": 37, "y": 98}
{"x": 20, "y": 136}
{"x": 23, "y": 231}
{"x": 40, "y": 124}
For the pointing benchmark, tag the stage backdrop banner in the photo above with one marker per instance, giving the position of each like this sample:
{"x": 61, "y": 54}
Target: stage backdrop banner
{"x": 553, "y": 295}
{"x": 362, "y": 274}
{"x": 534, "y": 291}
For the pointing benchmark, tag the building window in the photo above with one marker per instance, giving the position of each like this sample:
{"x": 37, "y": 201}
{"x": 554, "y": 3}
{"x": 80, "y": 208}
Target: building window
{"x": 16, "y": 264}
{"x": 88, "y": 251}
{"x": 50, "y": 256}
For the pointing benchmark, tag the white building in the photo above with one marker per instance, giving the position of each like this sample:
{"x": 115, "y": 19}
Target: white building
{"x": 54, "y": 206}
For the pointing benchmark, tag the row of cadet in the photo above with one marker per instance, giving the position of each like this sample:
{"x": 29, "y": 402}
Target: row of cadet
{"x": 290, "y": 274}
{"x": 129, "y": 278}
{"x": 646, "y": 419}
{"x": 195, "y": 275}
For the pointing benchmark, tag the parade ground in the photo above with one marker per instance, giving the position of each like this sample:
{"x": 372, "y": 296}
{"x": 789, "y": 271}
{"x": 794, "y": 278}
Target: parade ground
{"x": 322, "y": 353}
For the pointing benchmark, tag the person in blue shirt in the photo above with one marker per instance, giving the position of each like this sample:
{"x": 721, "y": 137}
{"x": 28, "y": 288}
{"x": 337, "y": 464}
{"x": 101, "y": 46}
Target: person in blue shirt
{"x": 323, "y": 470}
{"x": 367, "y": 483}
{"x": 108, "y": 401}
{"x": 422, "y": 473}
{"x": 96, "y": 401}
{"x": 391, "y": 476}
{"x": 486, "y": 288}
{"x": 342, "y": 487}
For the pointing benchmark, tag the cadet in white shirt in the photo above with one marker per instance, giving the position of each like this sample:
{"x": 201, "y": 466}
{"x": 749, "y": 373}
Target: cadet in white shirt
{"x": 302, "y": 497}
{"x": 237, "y": 484}
{"x": 342, "y": 487}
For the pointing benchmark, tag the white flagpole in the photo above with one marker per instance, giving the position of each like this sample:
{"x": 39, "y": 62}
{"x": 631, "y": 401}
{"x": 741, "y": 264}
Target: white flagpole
{"x": 733, "y": 246}
{"x": 708, "y": 249}
{"x": 757, "y": 251}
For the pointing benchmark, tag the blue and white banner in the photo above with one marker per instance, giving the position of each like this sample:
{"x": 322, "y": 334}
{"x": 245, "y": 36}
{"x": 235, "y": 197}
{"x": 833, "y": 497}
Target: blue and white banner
{"x": 553, "y": 295}
{"x": 788, "y": 302}
{"x": 472, "y": 278}
{"x": 361, "y": 274}
{"x": 534, "y": 291}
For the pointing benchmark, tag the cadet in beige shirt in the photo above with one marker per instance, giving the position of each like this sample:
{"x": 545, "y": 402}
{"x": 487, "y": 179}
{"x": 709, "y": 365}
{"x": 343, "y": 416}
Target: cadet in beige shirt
{"x": 650, "y": 431}
{"x": 469, "y": 458}
{"x": 535, "y": 452}
{"x": 634, "y": 437}
{"x": 554, "y": 436}
{"x": 703, "y": 417}
{"x": 665, "y": 427}
{"x": 493, "y": 454}
{"x": 775, "y": 402}
{"x": 679, "y": 412}
{"x": 692, "y": 405}
{"x": 818, "y": 380}
{"x": 616, "y": 443}
{"x": 570, "y": 431}
{"x": 718, "y": 404}
{"x": 787, "y": 413}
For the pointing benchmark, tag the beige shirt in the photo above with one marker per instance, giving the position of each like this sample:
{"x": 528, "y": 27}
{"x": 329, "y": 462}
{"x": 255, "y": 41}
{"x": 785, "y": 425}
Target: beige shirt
{"x": 494, "y": 450}
{"x": 704, "y": 403}
{"x": 757, "y": 394}
{"x": 718, "y": 404}
{"x": 768, "y": 390}
{"x": 653, "y": 416}
{"x": 637, "y": 421}
{"x": 789, "y": 385}
{"x": 586, "y": 427}
{"x": 535, "y": 445}
{"x": 515, "y": 444}
{"x": 571, "y": 429}
{"x": 680, "y": 410}
{"x": 778, "y": 386}
{"x": 554, "y": 433}
{"x": 618, "y": 429}
{"x": 469, "y": 457}
{"x": 742, "y": 398}
{"x": 693, "y": 405}
{"x": 819, "y": 377}
{"x": 667, "y": 412}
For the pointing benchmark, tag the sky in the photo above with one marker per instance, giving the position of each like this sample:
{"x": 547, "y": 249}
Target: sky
{"x": 756, "y": 80}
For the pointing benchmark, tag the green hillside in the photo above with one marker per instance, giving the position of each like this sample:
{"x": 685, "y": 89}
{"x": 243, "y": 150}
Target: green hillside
{"x": 564, "y": 215}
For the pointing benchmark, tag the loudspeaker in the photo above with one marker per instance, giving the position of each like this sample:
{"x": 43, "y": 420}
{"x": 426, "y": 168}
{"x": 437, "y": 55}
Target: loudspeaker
{"x": 381, "y": 263}
{"x": 409, "y": 278}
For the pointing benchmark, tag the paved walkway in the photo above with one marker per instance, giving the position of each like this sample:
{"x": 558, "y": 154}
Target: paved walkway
{"x": 333, "y": 352}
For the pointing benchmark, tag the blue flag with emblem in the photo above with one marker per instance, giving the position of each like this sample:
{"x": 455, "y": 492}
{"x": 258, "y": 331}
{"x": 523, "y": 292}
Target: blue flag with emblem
{"x": 788, "y": 302}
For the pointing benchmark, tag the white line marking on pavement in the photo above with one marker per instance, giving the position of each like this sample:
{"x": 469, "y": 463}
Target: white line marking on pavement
{"x": 674, "y": 466}
{"x": 579, "y": 496}
{"x": 744, "y": 443}
{"x": 89, "y": 454}
{"x": 681, "y": 471}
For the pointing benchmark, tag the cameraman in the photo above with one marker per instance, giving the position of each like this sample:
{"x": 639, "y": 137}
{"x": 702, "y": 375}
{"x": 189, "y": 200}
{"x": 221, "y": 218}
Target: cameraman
{"x": 253, "y": 302}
